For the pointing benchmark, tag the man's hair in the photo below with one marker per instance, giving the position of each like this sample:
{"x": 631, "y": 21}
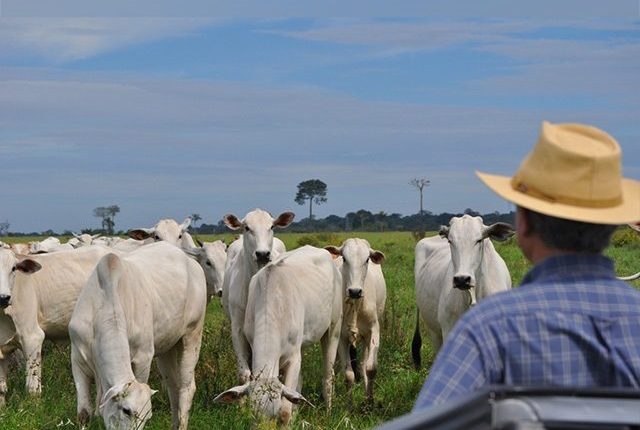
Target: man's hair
{"x": 569, "y": 235}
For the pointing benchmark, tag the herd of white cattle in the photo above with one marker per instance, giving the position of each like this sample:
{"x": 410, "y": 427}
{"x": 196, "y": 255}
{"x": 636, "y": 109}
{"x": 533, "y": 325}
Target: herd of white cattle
{"x": 123, "y": 302}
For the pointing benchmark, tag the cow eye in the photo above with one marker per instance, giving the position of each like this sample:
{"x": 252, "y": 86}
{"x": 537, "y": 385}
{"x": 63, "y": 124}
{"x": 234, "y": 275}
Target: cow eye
{"x": 208, "y": 263}
{"x": 180, "y": 237}
{"x": 14, "y": 268}
{"x": 366, "y": 261}
{"x": 127, "y": 411}
{"x": 246, "y": 228}
{"x": 156, "y": 237}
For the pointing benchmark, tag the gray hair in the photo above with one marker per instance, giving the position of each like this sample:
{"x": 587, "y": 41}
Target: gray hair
{"x": 569, "y": 235}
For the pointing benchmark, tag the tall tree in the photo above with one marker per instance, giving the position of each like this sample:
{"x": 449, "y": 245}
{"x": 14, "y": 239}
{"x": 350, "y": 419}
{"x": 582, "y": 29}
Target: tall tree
{"x": 107, "y": 213}
{"x": 4, "y": 228}
{"x": 313, "y": 190}
{"x": 420, "y": 184}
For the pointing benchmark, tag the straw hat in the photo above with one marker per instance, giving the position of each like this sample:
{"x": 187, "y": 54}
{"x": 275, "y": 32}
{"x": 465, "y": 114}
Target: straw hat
{"x": 574, "y": 172}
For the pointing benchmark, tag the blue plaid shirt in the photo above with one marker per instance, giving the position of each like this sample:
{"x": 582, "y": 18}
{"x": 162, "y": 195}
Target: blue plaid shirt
{"x": 571, "y": 323}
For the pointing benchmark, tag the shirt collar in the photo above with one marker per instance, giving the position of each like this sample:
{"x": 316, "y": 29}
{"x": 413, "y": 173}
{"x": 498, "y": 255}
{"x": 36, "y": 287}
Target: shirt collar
{"x": 576, "y": 264}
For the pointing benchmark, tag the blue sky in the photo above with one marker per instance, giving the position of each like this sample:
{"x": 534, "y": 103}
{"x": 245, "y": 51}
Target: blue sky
{"x": 170, "y": 115}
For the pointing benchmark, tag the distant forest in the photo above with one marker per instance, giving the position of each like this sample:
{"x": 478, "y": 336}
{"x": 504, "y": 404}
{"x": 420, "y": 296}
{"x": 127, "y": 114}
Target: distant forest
{"x": 362, "y": 220}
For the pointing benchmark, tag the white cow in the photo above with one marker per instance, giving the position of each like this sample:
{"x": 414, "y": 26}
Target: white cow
{"x": 365, "y": 292}
{"x": 453, "y": 271}
{"x": 293, "y": 301}
{"x": 38, "y": 295}
{"x": 149, "y": 302}
{"x": 20, "y": 248}
{"x": 166, "y": 229}
{"x": 83, "y": 239}
{"x": 212, "y": 257}
{"x": 258, "y": 248}
{"x": 4, "y": 245}
{"x": 50, "y": 244}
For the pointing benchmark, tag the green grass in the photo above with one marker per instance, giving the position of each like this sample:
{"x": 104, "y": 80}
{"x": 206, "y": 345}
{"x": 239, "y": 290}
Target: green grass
{"x": 397, "y": 383}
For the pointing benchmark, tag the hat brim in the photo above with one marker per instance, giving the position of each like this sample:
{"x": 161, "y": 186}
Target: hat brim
{"x": 627, "y": 212}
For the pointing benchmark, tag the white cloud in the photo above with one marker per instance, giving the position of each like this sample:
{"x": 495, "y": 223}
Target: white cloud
{"x": 67, "y": 39}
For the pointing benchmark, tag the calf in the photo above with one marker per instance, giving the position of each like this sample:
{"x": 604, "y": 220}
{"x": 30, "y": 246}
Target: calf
{"x": 364, "y": 291}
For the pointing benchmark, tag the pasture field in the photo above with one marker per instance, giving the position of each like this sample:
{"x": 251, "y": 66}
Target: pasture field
{"x": 397, "y": 382}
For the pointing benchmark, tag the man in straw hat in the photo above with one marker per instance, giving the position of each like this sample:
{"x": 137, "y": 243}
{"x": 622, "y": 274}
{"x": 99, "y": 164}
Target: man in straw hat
{"x": 571, "y": 322}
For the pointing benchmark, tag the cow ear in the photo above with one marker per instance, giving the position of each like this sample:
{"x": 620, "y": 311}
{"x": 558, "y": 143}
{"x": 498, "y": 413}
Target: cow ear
{"x": 185, "y": 224}
{"x": 284, "y": 219}
{"x": 334, "y": 251}
{"x": 444, "y": 231}
{"x": 232, "y": 221}
{"x": 499, "y": 231}
{"x": 28, "y": 266}
{"x": 293, "y": 396}
{"x": 233, "y": 394}
{"x": 376, "y": 256}
{"x": 140, "y": 233}
{"x": 194, "y": 252}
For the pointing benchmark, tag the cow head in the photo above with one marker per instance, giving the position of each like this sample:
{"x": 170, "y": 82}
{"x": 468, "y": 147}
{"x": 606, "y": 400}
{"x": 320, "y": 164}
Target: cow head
{"x": 265, "y": 396}
{"x": 466, "y": 236}
{"x": 212, "y": 256}
{"x": 166, "y": 229}
{"x": 257, "y": 233}
{"x": 356, "y": 255}
{"x": 9, "y": 267}
{"x": 127, "y": 406}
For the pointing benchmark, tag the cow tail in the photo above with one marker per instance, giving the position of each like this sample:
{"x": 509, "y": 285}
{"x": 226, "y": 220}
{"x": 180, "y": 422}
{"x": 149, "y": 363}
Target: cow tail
{"x": 353, "y": 357}
{"x": 416, "y": 344}
{"x": 109, "y": 270}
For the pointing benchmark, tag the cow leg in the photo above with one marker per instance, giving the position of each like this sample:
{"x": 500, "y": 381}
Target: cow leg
{"x": 345, "y": 363}
{"x": 291, "y": 379}
{"x": 168, "y": 367}
{"x": 141, "y": 363}
{"x": 370, "y": 359}
{"x": 82, "y": 382}
{"x": 191, "y": 343}
{"x": 32, "y": 347}
{"x": 242, "y": 349}
{"x": 4, "y": 371}
{"x": 330, "y": 343}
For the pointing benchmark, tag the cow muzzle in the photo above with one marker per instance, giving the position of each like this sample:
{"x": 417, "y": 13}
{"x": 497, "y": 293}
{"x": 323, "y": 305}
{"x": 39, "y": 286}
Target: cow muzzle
{"x": 354, "y": 293}
{"x": 462, "y": 282}
{"x": 263, "y": 257}
{"x": 5, "y": 300}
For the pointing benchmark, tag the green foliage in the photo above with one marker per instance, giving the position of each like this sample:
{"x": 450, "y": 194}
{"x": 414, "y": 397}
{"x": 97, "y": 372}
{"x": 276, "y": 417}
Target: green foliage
{"x": 624, "y": 236}
{"x": 397, "y": 383}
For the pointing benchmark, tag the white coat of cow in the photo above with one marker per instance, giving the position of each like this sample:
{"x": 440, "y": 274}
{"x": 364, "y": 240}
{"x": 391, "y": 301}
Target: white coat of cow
{"x": 452, "y": 271}
{"x": 365, "y": 292}
{"x": 259, "y": 247}
{"x": 149, "y": 302}
{"x": 293, "y": 301}
{"x": 38, "y": 295}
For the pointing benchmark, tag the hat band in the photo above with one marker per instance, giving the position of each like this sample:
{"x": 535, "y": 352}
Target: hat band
{"x": 589, "y": 203}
